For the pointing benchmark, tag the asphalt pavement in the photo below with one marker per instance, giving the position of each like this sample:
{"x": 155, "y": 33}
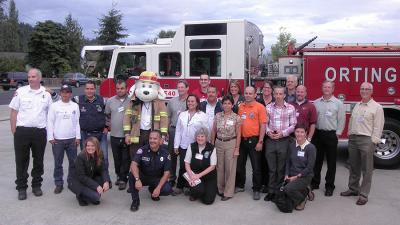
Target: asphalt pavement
{"x": 383, "y": 206}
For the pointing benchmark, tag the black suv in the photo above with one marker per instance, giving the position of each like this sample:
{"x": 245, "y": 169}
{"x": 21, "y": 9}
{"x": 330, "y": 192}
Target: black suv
{"x": 13, "y": 80}
{"x": 75, "y": 79}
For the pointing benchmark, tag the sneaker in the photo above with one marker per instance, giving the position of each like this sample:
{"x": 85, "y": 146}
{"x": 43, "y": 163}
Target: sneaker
{"x": 239, "y": 189}
{"x": 58, "y": 189}
{"x": 37, "y": 191}
{"x": 256, "y": 195}
{"x": 21, "y": 194}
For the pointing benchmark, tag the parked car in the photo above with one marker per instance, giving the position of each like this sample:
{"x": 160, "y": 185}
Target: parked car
{"x": 13, "y": 80}
{"x": 75, "y": 79}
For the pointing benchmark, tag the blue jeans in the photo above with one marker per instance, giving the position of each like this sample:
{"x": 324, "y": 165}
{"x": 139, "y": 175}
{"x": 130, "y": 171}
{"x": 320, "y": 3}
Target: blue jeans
{"x": 103, "y": 144}
{"x": 70, "y": 148}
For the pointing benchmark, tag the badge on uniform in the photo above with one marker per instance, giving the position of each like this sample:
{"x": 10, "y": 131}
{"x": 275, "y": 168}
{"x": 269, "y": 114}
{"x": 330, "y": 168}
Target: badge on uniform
{"x": 83, "y": 109}
{"x": 251, "y": 116}
{"x": 229, "y": 122}
{"x": 99, "y": 109}
{"x": 243, "y": 116}
{"x": 300, "y": 153}
{"x": 360, "y": 119}
{"x": 199, "y": 156}
{"x": 139, "y": 151}
{"x": 206, "y": 154}
{"x": 161, "y": 158}
{"x": 147, "y": 159}
{"x": 328, "y": 113}
{"x": 121, "y": 109}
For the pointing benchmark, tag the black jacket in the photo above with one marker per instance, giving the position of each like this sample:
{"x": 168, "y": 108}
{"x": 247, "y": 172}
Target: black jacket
{"x": 87, "y": 174}
{"x": 218, "y": 107}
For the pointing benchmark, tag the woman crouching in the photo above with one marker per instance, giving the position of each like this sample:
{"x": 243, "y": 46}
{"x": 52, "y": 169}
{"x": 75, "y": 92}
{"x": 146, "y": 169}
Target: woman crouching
{"x": 299, "y": 168}
{"x": 90, "y": 178}
{"x": 200, "y": 162}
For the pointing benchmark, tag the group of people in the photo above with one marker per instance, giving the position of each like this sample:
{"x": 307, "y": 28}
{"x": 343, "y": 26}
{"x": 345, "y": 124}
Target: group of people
{"x": 285, "y": 135}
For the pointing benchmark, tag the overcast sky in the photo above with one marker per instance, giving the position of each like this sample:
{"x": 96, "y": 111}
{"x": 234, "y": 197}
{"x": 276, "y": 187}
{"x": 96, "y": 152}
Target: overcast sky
{"x": 339, "y": 21}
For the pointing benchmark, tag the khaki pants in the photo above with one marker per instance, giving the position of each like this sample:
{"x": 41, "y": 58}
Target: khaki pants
{"x": 226, "y": 167}
{"x": 361, "y": 159}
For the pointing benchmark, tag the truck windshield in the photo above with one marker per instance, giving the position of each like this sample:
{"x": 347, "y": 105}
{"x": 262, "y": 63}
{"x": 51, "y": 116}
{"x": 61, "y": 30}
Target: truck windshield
{"x": 208, "y": 62}
{"x": 130, "y": 64}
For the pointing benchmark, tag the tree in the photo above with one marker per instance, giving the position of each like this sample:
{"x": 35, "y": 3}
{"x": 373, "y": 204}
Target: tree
{"x": 75, "y": 41}
{"x": 110, "y": 33}
{"x": 48, "y": 48}
{"x": 280, "y": 48}
{"x": 24, "y": 31}
{"x": 2, "y": 14}
{"x": 11, "y": 35}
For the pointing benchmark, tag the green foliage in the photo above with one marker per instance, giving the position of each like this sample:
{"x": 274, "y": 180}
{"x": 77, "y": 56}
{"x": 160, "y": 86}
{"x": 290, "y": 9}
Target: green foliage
{"x": 9, "y": 36}
{"x": 48, "y": 48}
{"x": 75, "y": 41}
{"x": 280, "y": 48}
{"x": 12, "y": 64}
{"x": 110, "y": 33}
{"x": 24, "y": 31}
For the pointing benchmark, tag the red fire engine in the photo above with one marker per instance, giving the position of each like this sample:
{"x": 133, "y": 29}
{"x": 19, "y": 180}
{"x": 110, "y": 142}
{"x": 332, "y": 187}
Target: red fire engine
{"x": 348, "y": 65}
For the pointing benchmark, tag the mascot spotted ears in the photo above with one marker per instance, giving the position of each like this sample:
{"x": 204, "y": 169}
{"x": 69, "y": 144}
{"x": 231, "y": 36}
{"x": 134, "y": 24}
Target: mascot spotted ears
{"x": 146, "y": 111}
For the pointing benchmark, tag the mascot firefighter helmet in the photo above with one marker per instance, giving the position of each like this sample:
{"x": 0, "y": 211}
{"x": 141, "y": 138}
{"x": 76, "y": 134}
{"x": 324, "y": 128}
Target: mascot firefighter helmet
{"x": 147, "y": 88}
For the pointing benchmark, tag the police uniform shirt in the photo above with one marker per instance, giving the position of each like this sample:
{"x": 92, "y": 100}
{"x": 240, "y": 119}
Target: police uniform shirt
{"x": 32, "y": 106}
{"x": 153, "y": 164}
{"x": 213, "y": 156}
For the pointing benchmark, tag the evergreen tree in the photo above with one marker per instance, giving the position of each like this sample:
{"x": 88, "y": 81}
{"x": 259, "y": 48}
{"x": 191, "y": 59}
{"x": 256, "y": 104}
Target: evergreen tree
{"x": 280, "y": 48}
{"x": 48, "y": 48}
{"x": 11, "y": 30}
{"x": 75, "y": 41}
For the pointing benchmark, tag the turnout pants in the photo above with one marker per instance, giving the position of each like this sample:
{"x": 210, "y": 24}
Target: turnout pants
{"x": 276, "y": 153}
{"x": 326, "y": 143}
{"x": 361, "y": 159}
{"x": 28, "y": 139}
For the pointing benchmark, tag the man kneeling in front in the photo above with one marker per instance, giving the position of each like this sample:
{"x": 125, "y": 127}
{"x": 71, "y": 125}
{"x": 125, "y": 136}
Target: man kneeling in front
{"x": 150, "y": 167}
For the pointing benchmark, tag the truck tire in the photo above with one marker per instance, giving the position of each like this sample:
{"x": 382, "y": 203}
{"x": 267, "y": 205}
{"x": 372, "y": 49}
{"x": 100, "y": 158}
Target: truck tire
{"x": 6, "y": 88}
{"x": 388, "y": 154}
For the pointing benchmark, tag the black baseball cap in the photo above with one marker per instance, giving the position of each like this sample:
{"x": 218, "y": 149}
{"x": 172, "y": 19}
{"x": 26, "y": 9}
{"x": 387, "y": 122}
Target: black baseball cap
{"x": 66, "y": 87}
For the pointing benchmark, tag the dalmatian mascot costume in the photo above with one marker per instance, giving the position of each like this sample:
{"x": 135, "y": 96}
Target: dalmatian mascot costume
{"x": 146, "y": 111}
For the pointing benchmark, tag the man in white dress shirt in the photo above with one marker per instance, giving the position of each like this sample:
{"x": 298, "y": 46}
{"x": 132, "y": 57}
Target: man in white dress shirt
{"x": 63, "y": 133}
{"x": 28, "y": 119}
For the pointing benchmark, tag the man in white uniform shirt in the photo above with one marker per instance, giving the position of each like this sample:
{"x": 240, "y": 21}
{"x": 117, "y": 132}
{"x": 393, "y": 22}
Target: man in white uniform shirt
{"x": 63, "y": 133}
{"x": 211, "y": 106}
{"x": 28, "y": 120}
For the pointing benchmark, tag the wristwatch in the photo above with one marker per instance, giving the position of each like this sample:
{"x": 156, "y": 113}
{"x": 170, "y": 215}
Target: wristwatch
{"x": 137, "y": 178}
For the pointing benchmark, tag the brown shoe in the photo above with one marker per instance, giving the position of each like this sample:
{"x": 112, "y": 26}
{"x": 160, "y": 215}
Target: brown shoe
{"x": 348, "y": 193}
{"x": 301, "y": 206}
{"x": 362, "y": 200}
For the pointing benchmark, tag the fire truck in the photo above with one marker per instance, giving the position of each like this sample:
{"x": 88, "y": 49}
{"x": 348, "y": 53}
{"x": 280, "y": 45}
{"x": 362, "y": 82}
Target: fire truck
{"x": 232, "y": 49}
{"x": 224, "y": 49}
{"x": 348, "y": 66}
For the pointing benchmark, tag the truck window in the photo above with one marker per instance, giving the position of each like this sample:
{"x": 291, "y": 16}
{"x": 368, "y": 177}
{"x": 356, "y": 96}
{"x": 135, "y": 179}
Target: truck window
{"x": 291, "y": 70}
{"x": 170, "y": 64}
{"x": 205, "y": 44}
{"x": 205, "y": 29}
{"x": 130, "y": 64}
{"x": 205, "y": 62}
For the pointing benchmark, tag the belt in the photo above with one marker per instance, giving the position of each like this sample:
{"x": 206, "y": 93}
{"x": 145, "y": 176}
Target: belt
{"x": 93, "y": 131}
{"x": 172, "y": 126}
{"x": 226, "y": 140}
{"x": 250, "y": 138}
{"x": 31, "y": 128}
{"x": 327, "y": 131}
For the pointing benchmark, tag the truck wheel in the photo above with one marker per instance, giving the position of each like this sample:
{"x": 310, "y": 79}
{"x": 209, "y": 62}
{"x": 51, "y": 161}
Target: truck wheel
{"x": 6, "y": 88}
{"x": 77, "y": 84}
{"x": 388, "y": 154}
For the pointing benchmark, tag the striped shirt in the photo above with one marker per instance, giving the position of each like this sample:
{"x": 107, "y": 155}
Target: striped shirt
{"x": 281, "y": 118}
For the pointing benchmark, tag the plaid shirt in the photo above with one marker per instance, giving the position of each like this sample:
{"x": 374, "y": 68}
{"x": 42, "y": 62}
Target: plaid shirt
{"x": 281, "y": 118}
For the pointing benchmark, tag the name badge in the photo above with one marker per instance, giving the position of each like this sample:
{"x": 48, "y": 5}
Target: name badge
{"x": 147, "y": 159}
{"x": 360, "y": 119}
{"x": 66, "y": 116}
{"x": 243, "y": 117}
{"x": 297, "y": 114}
{"x": 229, "y": 122}
{"x": 328, "y": 113}
{"x": 199, "y": 156}
{"x": 300, "y": 154}
{"x": 121, "y": 109}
